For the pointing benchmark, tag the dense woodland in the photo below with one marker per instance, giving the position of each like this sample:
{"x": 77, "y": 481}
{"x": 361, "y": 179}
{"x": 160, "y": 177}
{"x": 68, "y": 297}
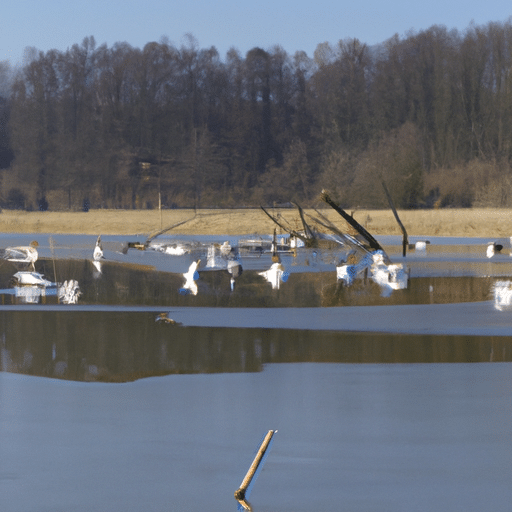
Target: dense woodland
{"x": 430, "y": 114}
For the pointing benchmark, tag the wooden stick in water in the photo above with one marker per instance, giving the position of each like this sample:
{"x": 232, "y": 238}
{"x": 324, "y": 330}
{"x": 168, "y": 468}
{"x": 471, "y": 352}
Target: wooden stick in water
{"x": 240, "y": 492}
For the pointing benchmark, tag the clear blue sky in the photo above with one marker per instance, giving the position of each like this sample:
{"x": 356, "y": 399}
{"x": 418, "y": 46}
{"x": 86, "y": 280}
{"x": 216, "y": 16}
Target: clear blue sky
{"x": 295, "y": 25}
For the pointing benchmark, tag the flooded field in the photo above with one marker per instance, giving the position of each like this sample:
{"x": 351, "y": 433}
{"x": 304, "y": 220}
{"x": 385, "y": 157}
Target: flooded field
{"x": 164, "y": 412}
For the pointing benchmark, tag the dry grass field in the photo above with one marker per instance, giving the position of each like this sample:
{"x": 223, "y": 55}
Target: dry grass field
{"x": 492, "y": 223}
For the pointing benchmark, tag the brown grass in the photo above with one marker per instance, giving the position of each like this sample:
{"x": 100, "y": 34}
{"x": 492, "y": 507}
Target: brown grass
{"x": 475, "y": 222}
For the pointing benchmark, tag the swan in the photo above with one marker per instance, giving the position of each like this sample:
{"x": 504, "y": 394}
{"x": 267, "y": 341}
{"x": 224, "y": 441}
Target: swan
{"x": 98, "y": 250}
{"x": 275, "y": 275}
{"x": 493, "y": 248}
{"x": 23, "y": 254}
{"x": 234, "y": 269}
{"x": 191, "y": 276}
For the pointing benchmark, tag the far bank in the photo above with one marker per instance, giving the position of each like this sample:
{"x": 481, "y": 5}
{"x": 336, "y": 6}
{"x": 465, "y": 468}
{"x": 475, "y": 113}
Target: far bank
{"x": 472, "y": 222}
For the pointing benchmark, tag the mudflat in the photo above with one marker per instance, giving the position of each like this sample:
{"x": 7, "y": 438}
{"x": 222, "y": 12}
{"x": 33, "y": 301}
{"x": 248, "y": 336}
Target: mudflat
{"x": 471, "y": 222}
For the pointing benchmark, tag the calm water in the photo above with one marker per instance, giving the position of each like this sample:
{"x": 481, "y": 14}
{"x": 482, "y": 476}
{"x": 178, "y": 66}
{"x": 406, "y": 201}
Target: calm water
{"x": 137, "y": 284}
{"x": 125, "y": 346}
{"x": 368, "y": 421}
{"x": 358, "y": 437}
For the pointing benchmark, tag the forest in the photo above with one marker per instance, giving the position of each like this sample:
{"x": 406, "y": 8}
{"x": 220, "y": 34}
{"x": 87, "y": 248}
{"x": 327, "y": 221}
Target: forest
{"x": 429, "y": 114}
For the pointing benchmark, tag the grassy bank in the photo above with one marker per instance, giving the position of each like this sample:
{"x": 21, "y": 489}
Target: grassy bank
{"x": 491, "y": 223}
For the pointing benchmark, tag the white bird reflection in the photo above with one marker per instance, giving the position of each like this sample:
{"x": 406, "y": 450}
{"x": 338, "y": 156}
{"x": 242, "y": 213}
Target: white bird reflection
{"x": 69, "y": 292}
{"x": 275, "y": 275}
{"x": 353, "y": 268}
{"x": 388, "y": 277}
{"x": 234, "y": 270}
{"x": 191, "y": 276}
{"x": 98, "y": 271}
{"x": 31, "y": 287}
{"x": 31, "y": 279}
{"x": 502, "y": 291}
{"x": 224, "y": 257}
{"x": 97, "y": 254}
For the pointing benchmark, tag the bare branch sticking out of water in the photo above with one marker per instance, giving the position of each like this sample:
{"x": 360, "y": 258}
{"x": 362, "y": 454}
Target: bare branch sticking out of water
{"x": 242, "y": 493}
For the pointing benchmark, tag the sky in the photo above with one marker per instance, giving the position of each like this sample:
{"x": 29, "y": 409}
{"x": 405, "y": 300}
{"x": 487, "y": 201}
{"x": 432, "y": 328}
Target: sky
{"x": 296, "y": 26}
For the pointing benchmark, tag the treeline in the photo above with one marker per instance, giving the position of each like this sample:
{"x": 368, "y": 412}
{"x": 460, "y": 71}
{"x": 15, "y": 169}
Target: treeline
{"x": 430, "y": 114}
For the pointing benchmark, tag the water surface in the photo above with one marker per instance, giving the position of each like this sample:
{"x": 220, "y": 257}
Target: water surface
{"x": 356, "y": 437}
{"x": 383, "y": 402}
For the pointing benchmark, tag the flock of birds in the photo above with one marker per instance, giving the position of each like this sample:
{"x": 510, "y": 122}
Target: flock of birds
{"x": 28, "y": 282}
{"x": 225, "y": 256}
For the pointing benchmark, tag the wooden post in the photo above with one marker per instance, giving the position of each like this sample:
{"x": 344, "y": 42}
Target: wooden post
{"x": 405, "y": 239}
{"x": 240, "y": 493}
{"x": 52, "y": 243}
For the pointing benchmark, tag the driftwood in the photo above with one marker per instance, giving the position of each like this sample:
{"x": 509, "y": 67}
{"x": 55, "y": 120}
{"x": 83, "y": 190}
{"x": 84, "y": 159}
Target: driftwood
{"x": 312, "y": 238}
{"x": 373, "y": 244}
{"x": 344, "y": 238}
{"x": 307, "y": 230}
{"x": 308, "y": 242}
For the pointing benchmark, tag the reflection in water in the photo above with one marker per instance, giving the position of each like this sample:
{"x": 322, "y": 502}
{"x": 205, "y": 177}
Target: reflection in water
{"x": 97, "y": 254}
{"x": 126, "y": 346}
{"x": 31, "y": 279}
{"x": 502, "y": 291}
{"x": 375, "y": 265}
{"x": 224, "y": 257}
{"x": 191, "y": 276}
{"x": 275, "y": 275}
{"x": 33, "y": 288}
{"x": 97, "y": 266}
{"x": 137, "y": 285}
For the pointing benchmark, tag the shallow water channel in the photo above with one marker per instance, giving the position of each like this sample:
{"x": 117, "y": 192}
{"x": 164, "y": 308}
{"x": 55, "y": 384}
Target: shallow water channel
{"x": 155, "y": 416}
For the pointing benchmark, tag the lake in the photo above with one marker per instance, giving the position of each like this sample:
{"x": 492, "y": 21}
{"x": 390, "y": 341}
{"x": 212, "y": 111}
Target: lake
{"x": 382, "y": 401}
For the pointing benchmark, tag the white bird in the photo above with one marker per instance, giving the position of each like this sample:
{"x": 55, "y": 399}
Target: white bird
{"x": 493, "y": 248}
{"x": 97, "y": 266}
{"x": 421, "y": 245}
{"x": 502, "y": 291}
{"x": 98, "y": 250}
{"x": 275, "y": 275}
{"x": 225, "y": 248}
{"x": 346, "y": 273}
{"x": 176, "y": 249}
{"x": 31, "y": 279}
{"x": 69, "y": 292}
{"x": 22, "y": 254}
{"x": 191, "y": 276}
{"x": 234, "y": 269}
